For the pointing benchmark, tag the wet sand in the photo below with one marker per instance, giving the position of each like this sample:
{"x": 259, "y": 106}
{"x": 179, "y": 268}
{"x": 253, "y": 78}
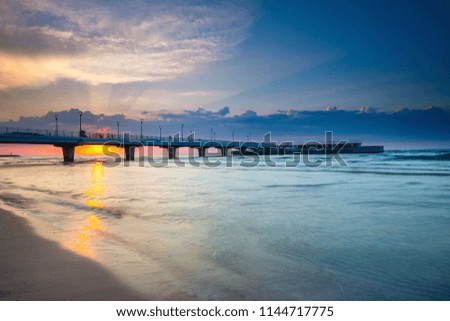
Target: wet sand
{"x": 33, "y": 268}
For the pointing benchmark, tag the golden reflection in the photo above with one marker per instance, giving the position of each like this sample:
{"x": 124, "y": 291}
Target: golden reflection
{"x": 89, "y": 230}
{"x": 93, "y": 203}
{"x": 96, "y": 188}
{"x": 95, "y": 191}
{"x": 97, "y": 172}
{"x": 92, "y": 226}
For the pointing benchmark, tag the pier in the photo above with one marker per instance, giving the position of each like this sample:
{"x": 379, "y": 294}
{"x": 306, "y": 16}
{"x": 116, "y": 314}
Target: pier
{"x": 67, "y": 141}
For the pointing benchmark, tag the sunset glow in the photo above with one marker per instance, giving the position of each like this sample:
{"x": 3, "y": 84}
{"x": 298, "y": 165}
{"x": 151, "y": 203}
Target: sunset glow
{"x": 49, "y": 150}
{"x": 96, "y": 150}
{"x": 30, "y": 150}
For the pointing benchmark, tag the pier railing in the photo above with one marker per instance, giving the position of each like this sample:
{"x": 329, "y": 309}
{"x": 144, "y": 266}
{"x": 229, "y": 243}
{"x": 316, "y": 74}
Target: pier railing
{"x": 19, "y": 131}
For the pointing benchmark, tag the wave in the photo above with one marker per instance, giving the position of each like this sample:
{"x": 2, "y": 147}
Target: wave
{"x": 439, "y": 157}
{"x": 14, "y": 200}
{"x": 22, "y": 202}
{"x": 396, "y": 173}
{"x": 299, "y": 185}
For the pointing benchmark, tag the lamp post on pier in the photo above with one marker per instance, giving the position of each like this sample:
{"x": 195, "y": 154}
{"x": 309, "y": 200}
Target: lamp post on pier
{"x": 142, "y": 137}
{"x": 182, "y": 126}
{"x": 56, "y": 121}
{"x": 118, "y": 131}
{"x": 81, "y": 113}
{"x": 160, "y": 137}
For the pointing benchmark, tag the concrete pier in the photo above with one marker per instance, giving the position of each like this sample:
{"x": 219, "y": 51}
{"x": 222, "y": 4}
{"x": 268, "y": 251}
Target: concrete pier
{"x": 129, "y": 153}
{"x": 223, "y": 151}
{"x": 68, "y": 153}
{"x": 172, "y": 152}
{"x": 68, "y": 142}
{"x": 201, "y": 152}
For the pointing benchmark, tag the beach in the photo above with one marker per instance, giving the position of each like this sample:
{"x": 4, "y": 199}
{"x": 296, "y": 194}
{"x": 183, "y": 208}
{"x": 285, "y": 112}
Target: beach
{"x": 33, "y": 268}
{"x": 376, "y": 229}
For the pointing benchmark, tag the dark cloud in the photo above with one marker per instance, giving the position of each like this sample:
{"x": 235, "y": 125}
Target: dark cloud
{"x": 34, "y": 41}
{"x": 26, "y": 31}
{"x": 200, "y": 113}
{"x": 431, "y": 124}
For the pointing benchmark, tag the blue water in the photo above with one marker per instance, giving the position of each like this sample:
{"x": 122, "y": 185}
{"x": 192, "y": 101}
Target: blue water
{"x": 378, "y": 229}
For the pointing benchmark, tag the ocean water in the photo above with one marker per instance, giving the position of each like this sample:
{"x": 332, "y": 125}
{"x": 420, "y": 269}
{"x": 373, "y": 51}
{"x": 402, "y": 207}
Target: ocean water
{"x": 378, "y": 229}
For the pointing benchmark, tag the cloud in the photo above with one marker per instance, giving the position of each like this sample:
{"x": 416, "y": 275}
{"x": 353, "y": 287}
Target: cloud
{"x": 98, "y": 42}
{"x": 18, "y": 71}
{"x": 367, "y": 110}
{"x": 199, "y": 114}
{"x": 417, "y": 125}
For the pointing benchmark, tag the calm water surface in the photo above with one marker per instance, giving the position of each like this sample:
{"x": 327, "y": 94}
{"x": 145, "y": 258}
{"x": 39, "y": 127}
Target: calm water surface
{"x": 375, "y": 230}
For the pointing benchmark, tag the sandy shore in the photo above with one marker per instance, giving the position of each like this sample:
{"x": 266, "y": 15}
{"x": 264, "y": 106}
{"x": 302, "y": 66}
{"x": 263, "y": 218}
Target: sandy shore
{"x": 33, "y": 268}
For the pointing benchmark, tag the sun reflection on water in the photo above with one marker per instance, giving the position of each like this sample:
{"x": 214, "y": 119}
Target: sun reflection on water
{"x": 96, "y": 189}
{"x": 93, "y": 203}
{"x": 92, "y": 227}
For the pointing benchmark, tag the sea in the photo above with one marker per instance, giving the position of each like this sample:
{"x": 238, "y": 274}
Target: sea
{"x": 374, "y": 228}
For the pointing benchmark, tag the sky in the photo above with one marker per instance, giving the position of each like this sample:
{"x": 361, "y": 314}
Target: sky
{"x": 229, "y": 60}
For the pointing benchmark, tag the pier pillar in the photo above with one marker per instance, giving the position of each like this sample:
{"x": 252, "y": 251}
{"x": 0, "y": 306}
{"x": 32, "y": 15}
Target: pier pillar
{"x": 172, "y": 152}
{"x": 129, "y": 153}
{"x": 201, "y": 152}
{"x": 68, "y": 153}
{"x": 223, "y": 151}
